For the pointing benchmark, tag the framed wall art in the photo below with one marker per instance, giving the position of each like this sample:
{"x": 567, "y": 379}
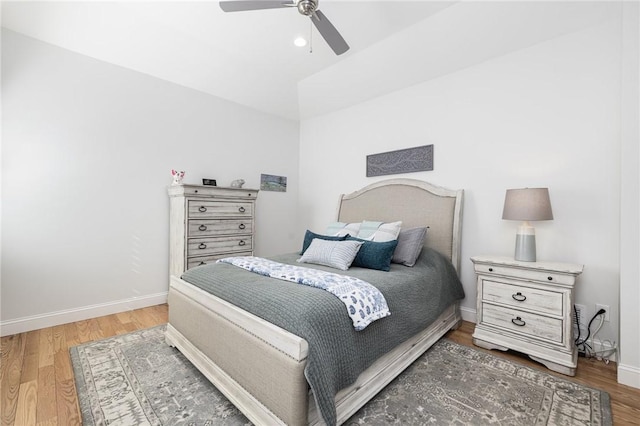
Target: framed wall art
{"x": 273, "y": 183}
{"x": 409, "y": 160}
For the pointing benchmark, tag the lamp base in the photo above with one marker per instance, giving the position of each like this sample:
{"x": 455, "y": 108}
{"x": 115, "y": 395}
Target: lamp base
{"x": 525, "y": 248}
{"x": 526, "y": 243}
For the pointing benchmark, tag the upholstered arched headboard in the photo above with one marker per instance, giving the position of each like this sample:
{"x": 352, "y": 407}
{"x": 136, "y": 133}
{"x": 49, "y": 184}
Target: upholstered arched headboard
{"x": 415, "y": 203}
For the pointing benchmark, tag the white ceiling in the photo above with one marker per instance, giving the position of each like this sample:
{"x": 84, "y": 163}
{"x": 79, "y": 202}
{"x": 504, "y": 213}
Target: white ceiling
{"x": 249, "y": 57}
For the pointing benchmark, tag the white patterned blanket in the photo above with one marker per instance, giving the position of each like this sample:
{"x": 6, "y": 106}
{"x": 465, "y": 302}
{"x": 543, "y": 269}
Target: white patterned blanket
{"x": 363, "y": 301}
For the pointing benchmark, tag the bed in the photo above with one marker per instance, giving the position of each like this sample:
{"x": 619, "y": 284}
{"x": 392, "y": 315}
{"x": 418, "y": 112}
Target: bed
{"x": 260, "y": 366}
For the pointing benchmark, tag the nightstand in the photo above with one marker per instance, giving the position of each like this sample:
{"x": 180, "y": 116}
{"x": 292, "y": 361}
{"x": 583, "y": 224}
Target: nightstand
{"x": 527, "y": 307}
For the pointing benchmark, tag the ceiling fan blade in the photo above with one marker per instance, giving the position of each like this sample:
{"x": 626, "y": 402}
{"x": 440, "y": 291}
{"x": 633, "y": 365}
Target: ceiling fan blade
{"x": 329, "y": 33}
{"x": 242, "y": 5}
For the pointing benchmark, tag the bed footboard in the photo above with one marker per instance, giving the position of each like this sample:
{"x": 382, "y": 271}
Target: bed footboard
{"x": 265, "y": 382}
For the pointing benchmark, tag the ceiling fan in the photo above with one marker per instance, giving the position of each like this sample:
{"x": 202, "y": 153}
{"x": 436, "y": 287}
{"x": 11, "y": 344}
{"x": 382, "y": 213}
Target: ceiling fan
{"x": 305, "y": 7}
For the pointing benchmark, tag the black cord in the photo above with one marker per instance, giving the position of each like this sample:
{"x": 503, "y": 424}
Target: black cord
{"x": 582, "y": 342}
{"x": 577, "y": 316}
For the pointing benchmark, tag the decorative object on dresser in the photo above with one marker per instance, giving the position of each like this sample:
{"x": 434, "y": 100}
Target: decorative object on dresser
{"x": 237, "y": 183}
{"x": 177, "y": 177}
{"x": 209, "y": 182}
{"x": 527, "y": 204}
{"x": 208, "y": 223}
{"x": 527, "y": 307}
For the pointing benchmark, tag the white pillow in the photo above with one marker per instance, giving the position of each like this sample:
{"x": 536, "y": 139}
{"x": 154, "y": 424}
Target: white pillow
{"x": 340, "y": 229}
{"x": 336, "y": 254}
{"x": 378, "y": 231}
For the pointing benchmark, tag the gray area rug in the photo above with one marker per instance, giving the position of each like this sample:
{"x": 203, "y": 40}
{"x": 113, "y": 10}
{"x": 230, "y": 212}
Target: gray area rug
{"x": 137, "y": 379}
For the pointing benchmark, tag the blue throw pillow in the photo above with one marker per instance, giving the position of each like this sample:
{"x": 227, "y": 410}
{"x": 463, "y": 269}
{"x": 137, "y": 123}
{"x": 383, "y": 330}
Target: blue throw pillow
{"x": 309, "y": 236}
{"x": 374, "y": 255}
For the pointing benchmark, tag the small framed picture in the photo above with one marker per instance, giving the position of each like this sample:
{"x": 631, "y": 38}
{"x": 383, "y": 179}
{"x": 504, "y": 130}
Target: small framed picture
{"x": 209, "y": 182}
{"x": 273, "y": 183}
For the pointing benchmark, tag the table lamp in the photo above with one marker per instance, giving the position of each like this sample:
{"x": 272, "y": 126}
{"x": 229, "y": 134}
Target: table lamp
{"x": 527, "y": 204}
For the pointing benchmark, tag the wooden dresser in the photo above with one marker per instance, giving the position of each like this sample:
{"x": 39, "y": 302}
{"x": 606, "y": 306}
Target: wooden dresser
{"x": 527, "y": 307}
{"x": 208, "y": 223}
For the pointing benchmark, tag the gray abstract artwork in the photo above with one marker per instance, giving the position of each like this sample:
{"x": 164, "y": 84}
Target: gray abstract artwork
{"x": 409, "y": 160}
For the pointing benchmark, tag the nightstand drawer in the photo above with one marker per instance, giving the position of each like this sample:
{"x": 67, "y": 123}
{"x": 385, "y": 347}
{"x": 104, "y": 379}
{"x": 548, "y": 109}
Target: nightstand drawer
{"x": 522, "y": 297}
{"x": 536, "y": 326}
{"x": 551, "y": 277}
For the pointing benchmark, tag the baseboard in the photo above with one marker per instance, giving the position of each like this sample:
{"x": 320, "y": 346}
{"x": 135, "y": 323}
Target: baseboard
{"x": 629, "y": 375}
{"x": 468, "y": 314}
{"x": 51, "y": 319}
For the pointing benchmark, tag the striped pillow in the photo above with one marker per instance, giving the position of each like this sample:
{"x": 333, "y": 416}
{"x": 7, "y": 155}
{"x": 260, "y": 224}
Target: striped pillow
{"x": 378, "y": 231}
{"x": 335, "y": 254}
{"x": 342, "y": 229}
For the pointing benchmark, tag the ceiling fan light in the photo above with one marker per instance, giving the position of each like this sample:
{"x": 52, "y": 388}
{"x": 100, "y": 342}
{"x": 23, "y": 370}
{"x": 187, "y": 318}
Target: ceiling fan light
{"x": 300, "y": 42}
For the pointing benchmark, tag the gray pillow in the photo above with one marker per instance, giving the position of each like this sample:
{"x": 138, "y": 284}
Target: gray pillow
{"x": 410, "y": 242}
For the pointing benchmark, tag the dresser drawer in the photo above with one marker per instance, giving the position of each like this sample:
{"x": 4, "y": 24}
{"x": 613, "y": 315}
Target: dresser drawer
{"x": 525, "y": 274}
{"x": 209, "y": 227}
{"x": 217, "y": 209}
{"x": 218, "y": 245}
{"x": 523, "y": 297}
{"x": 533, "y": 325}
{"x": 192, "y": 262}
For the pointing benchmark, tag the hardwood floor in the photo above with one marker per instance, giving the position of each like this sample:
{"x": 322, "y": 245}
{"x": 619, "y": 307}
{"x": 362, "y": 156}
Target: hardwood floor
{"x": 37, "y": 384}
{"x": 36, "y": 378}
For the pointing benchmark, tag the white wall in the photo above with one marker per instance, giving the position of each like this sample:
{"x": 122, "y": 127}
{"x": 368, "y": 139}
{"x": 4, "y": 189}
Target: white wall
{"x": 629, "y": 362}
{"x": 547, "y": 116}
{"x": 87, "y": 149}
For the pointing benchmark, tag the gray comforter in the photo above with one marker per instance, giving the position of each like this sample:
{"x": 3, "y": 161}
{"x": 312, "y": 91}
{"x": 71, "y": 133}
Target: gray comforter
{"x": 337, "y": 353}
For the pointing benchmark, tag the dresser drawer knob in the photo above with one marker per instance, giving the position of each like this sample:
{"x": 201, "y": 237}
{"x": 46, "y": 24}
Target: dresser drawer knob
{"x": 241, "y": 243}
{"x": 519, "y": 297}
{"x": 241, "y": 210}
{"x": 202, "y": 227}
{"x": 202, "y": 263}
{"x": 490, "y": 269}
{"x": 202, "y": 209}
{"x": 518, "y": 321}
{"x": 202, "y": 246}
{"x": 550, "y": 278}
{"x": 241, "y": 226}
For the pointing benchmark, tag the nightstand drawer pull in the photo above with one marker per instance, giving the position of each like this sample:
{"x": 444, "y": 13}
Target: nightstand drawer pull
{"x": 241, "y": 243}
{"x": 202, "y": 209}
{"x": 202, "y": 228}
{"x": 202, "y": 246}
{"x": 241, "y": 226}
{"x": 519, "y": 297}
{"x": 490, "y": 269}
{"x": 518, "y": 321}
{"x": 202, "y": 263}
{"x": 241, "y": 210}
{"x": 550, "y": 278}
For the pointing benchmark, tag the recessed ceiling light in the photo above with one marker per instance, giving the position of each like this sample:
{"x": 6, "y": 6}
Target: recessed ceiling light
{"x": 300, "y": 42}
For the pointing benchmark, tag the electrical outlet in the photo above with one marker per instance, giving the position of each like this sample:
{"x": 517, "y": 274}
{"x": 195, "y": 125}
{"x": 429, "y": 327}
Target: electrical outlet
{"x": 606, "y": 308}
